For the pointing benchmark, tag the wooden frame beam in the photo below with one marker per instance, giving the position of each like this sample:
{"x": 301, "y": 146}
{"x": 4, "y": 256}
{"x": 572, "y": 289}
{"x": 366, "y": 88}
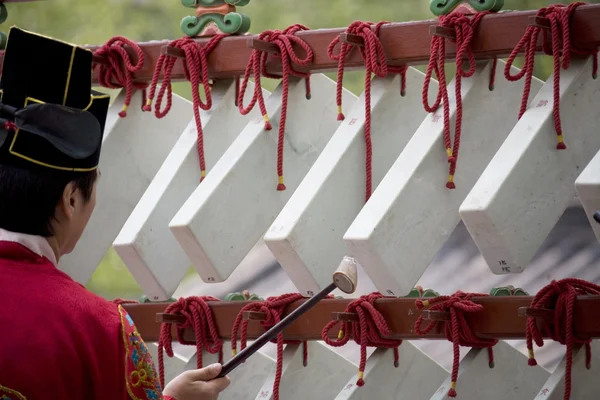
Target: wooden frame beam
{"x": 502, "y": 318}
{"x": 405, "y": 43}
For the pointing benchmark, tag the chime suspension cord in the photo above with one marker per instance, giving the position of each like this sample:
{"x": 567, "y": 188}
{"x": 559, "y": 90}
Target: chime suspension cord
{"x": 559, "y": 17}
{"x": 113, "y": 75}
{"x": 198, "y": 316}
{"x": 374, "y": 57}
{"x": 559, "y": 296}
{"x": 457, "y": 329}
{"x": 464, "y": 30}
{"x": 273, "y": 308}
{"x": 366, "y": 332}
{"x": 257, "y": 66}
{"x": 195, "y": 68}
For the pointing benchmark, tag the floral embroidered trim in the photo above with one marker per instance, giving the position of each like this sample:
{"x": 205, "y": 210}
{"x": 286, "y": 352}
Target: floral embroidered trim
{"x": 9, "y": 394}
{"x": 140, "y": 374}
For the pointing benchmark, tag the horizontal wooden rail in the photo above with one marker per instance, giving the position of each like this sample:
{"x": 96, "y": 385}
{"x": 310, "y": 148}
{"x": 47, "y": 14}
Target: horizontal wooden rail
{"x": 501, "y": 318}
{"x": 404, "y": 43}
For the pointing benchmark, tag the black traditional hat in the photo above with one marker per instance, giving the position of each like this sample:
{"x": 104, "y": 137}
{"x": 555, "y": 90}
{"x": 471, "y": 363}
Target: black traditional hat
{"x": 49, "y": 115}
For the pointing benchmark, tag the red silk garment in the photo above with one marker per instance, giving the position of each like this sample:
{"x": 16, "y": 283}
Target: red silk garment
{"x": 60, "y": 341}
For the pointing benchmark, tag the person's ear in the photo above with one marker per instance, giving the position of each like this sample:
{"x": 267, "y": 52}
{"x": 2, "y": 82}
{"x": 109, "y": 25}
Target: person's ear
{"x": 69, "y": 200}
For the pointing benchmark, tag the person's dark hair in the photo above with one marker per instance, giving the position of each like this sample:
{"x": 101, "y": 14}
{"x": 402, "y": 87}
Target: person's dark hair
{"x": 28, "y": 198}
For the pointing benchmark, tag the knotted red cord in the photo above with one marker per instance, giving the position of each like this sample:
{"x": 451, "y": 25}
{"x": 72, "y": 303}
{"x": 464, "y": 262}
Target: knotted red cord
{"x": 120, "y": 301}
{"x": 273, "y": 308}
{"x": 367, "y": 332}
{"x": 257, "y": 65}
{"x": 113, "y": 75}
{"x": 559, "y": 16}
{"x": 464, "y": 28}
{"x": 195, "y": 69}
{"x": 457, "y": 329}
{"x": 374, "y": 57}
{"x": 559, "y": 296}
{"x": 199, "y": 316}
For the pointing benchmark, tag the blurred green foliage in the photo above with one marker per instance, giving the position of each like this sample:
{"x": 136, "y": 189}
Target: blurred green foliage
{"x": 95, "y": 21}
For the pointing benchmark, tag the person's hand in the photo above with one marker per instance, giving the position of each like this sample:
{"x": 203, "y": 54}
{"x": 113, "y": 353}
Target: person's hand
{"x": 198, "y": 384}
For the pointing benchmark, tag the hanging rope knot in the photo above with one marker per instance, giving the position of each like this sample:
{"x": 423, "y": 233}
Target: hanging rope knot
{"x": 195, "y": 69}
{"x": 273, "y": 308}
{"x": 118, "y": 73}
{"x": 257, "y": 65}
{"x": 374, "y": 57}
{"x": 456, "y": 328}
{"x": 368, "y": 331}
{"x": 464, "y": 30}
{"x": 560, "y": 297}
{"x": 559, "y": 16}
{"x": 10, "y": 126}
{"x": 198, "y": 316}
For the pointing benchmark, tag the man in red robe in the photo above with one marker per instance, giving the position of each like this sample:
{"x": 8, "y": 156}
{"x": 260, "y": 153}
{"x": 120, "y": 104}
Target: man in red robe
{"x": 58, "y": 340}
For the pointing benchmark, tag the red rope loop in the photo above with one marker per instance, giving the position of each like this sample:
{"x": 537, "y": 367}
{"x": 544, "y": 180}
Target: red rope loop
{"x": 373, "y": 55}
{"x": 257, "y": 66}
{"x": 195, "y": 68}
{"x": 367, "y": 332}
{"x": 464, "y": 28}
{"x": 559, "y": 296}
{"x": 457, "y": 329}
{"x": 273, "y": 308}
{"x": 198, "y": 316}
{"x": 113, "y": 75}
{"x": 120, "y": 301}
{"x": 559, "y": 16}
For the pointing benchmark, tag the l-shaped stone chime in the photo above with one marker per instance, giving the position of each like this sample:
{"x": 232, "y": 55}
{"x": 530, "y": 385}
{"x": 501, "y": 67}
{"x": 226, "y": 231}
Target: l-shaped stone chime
{"x": 516, "y": 174}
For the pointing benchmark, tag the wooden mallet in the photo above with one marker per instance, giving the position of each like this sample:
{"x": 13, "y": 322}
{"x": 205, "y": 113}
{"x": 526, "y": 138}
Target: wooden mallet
{"x": 344, "y": 278}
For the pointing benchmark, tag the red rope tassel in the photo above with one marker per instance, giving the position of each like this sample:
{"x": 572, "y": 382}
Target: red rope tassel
{"x": 464, "y": 28}
{"x": 257, "y": 65}
{"x": 198, "y": 316}
{"x": 374, "y": 57}
{"x": 457, "y": 329}
{"x": 559, "y": 16}
{"x": 195, "y": 68}
{"x": 367, "y": 332}
{"x": 273, "y": 308}
{"x": 559, "y": 296}
{"x": 113, "y": 75}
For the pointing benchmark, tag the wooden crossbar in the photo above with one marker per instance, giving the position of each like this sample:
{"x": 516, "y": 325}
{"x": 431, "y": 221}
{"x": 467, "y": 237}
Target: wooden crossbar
{"x": 405, "y": 43}
{"x": 502, "y": 318}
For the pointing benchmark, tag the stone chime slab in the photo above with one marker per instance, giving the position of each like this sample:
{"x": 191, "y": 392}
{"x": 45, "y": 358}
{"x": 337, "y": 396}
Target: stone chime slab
{"x": 173, "y": 366}
{"x": 529, "y": 184}
{"x": 133, "y": 149}
{"x": 588, "y": 190}
{"x": 145, "y": 243}
{"x": 237, "y": 202}
{"x": 307, "y": 236}
{"x": 411, "y": 213}
{"x": 322, "y": 378}
{"x": 416, "y": 376}
{"x": 511, "y": 377}
{"x": 247, "y": 379}
{"x": 585, "y": 384}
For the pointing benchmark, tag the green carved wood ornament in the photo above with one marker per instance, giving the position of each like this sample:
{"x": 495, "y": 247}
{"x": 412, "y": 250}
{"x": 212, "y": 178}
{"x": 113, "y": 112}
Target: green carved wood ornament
{"x": 242, "y": 296}
{"x": 419, "y": 292}
{"x": 230, "y": 23}
{"x": 445, "y": 7}
{"x": 507, "y": 291}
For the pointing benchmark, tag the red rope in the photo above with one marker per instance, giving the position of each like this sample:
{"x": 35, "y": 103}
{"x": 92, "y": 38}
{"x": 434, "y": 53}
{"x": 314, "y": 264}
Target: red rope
{"x": 374, "y": 57}
{"x": 120, "y": 301}
{"x": 457, "y": 329}
{"x": 559, "y": 16}
{"x": 273, "y": 308}
{"x": 199, "y": 316}
{"x": 113, "y": 75}
{"x": 367, "y": 332}
{"x": 257, "y": 65}
{"x": 195, "y": 68}
{"x": 464, "y": 28}
{"x": 559, "y": 296}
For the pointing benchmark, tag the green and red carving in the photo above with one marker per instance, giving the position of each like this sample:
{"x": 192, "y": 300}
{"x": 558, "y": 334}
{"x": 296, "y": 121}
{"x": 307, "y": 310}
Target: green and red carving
{"x": 242, "y": 296}
{"x": 214, "y": 17}
{"x": 144, "y": 299}
{"x": 445, "y": 7}
{"x": 508, "y": 291}
{"x": 419, "y": 292}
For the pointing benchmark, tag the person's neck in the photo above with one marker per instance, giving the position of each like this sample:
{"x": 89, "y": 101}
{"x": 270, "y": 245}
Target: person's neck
{"x": 55, "y": 246}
